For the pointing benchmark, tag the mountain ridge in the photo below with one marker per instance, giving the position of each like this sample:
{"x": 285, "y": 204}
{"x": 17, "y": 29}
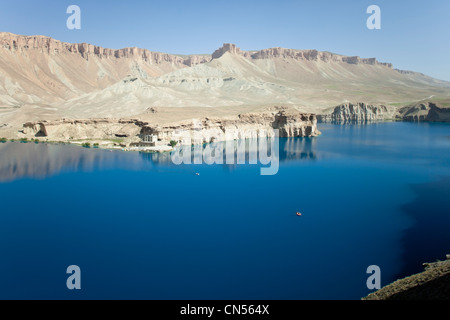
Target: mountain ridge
{"x": 45, "y": 79}
{"x": 23, "y": 42}
{"x": 11, "y": 40}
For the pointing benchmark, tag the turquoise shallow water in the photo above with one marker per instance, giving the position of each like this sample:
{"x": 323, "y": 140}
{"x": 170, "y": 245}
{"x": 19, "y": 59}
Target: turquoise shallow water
{"x": 140, "y": 227}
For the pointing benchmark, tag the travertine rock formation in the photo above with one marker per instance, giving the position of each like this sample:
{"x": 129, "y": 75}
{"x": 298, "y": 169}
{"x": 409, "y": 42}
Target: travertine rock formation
{"x": 362, "y": 112}
{"x": 67, "y": 130}
{"x": 289, "y": 124}
{"x": 245, "y": 126}
{"x": 358, "y": 112}
{"x": 425, "y": 111}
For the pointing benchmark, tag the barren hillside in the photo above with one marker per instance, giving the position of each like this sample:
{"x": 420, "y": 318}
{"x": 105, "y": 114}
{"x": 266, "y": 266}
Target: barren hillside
{"x": 45, "y": 79}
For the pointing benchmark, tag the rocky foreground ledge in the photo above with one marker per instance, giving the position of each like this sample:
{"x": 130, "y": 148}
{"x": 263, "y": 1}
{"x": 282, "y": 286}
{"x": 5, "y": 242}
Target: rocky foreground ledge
{"x": 431, "y": 284}
{"x": 139, "y": 133}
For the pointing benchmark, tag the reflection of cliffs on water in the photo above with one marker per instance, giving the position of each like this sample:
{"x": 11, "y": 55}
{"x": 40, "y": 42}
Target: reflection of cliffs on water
{"x": 29, "y": 160}
{"x": 298, "y": 149}
{"x": 156, "y": 158}
{"x": 240, "y": 152}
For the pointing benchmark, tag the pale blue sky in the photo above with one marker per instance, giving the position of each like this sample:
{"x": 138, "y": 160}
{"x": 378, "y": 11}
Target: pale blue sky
{"x": 415, "y": 35}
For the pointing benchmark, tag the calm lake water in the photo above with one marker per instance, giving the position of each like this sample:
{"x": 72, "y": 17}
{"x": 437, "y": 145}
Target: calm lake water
{"x": 140, "y": 227}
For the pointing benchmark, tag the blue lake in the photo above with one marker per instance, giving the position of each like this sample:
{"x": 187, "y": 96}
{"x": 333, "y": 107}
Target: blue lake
{"x": 140, "y": 227}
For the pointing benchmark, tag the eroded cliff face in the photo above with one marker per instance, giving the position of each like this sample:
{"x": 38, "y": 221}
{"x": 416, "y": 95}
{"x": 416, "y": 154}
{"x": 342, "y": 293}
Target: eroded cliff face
{"x": 358, "y": 112}
{"x": 362, "y": 112}
{"x": 47, "y": 45}
{"x": 246, "y": 126}
{"x": 425, "y": 111}
{"x": 307, "y": 55}
{"x": 90, "y": 129}
{"x": 206, "y": 130}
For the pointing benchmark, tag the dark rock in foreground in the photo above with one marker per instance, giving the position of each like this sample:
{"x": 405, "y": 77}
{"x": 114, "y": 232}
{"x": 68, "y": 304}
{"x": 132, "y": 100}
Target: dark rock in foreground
{"x": 431, "y": 284}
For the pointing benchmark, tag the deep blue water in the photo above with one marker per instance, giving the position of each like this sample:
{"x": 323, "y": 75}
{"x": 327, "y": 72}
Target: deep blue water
{"x": 140, "y": 227}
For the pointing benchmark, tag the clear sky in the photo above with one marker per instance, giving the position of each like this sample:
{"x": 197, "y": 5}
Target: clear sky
{"x": 414, "y": 35}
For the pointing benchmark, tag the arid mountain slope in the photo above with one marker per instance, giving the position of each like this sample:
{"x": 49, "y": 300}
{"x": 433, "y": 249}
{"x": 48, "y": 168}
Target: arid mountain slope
{"x": 239, "y": 80}
{"x": 44, "y": 79}
{"x": 41, "y": 70}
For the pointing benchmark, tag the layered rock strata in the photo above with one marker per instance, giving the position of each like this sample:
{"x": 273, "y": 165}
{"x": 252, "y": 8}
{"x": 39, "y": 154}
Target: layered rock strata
{"x": 425, "y": 111}
{"x": 43, "y": 44}
{"x": 246, "y": 126}
{"x": 358, "y": 112}
{"x": 289, "y": 124}
{"x": 48, "y": 45}
{"x": 308, "y": 55}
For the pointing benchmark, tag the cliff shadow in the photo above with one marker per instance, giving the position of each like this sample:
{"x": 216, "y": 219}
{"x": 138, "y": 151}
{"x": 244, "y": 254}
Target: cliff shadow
{"x": 428, "y": 239}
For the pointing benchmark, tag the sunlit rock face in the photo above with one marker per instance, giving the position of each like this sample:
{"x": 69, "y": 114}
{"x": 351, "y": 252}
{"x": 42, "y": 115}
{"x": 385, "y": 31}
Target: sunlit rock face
{"x": 358, "y": 112}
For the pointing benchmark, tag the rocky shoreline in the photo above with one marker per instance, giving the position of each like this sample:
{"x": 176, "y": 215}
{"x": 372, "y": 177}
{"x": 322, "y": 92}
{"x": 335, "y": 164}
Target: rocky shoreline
{"x": 431, "y": 284}
{"x": 362, "y": 112}
{"x": 358, "y": 112}
{"x": 136, "y": 134}
{"x": 143, "y": 133}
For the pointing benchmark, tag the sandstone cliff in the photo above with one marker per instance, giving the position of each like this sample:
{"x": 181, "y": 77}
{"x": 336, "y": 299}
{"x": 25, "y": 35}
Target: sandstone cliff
{"x": 21, "y": 44}
{"x": 39, "y": 70}
{"x": 307, "y": 55}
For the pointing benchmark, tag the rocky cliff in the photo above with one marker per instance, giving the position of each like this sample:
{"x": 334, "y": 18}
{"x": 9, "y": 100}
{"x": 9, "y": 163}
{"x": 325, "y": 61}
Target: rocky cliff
{"x": 307, "y": 55}
{"x": 206, "y": 130}
{"x": 47, "y": 45}
{"x": 362, "y": 112}
{"x": 43, "y": 44}
{"x": 231, "y": 48}
{"x": 39, "y": 70}
{"x": 245, "y": 126}
{"x": 358, "y": 112}
{"x": 425, "y": 111}
{"x": 69, "y": 130}
{"x": 20, "y": 44}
